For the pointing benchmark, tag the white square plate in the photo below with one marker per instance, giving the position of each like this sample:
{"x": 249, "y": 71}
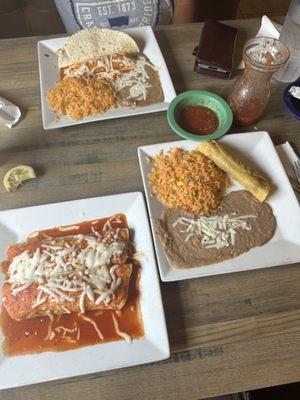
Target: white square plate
{"x": 256, "y": 150}
{"x": 15, "y": 225}
{"x": 49, "y": 75}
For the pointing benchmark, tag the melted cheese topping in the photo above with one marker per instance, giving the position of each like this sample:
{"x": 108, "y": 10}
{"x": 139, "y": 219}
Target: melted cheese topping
{"x": 123, "y": 71}
{"x": 136, "y": 80}
{"x": 122, "y": 334}
{"x": 215, "y": 231}
{"x": 63, "y": 270}
{"x": 93, "y": 323}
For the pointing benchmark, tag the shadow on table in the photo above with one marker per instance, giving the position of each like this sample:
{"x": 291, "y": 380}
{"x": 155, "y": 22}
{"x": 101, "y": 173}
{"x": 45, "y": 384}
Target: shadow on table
{"x": 241, "y": 39}
{"x": 176, "y": 324}
{"x": 169, "y": 55}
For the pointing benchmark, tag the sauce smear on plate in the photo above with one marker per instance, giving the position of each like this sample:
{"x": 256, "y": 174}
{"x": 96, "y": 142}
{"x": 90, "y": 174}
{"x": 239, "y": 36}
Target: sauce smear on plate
{"x": 28, "y": 336}
{"x": 198, "y": 120}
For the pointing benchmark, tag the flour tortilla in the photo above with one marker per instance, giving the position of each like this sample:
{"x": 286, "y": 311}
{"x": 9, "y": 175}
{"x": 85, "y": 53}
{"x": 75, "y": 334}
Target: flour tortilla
{"x": 255, "y": 184}
{"x": 90, "y": 44}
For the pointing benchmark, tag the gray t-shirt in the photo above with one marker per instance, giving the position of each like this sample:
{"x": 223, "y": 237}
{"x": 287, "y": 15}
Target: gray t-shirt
{"x": 79, "y": 14}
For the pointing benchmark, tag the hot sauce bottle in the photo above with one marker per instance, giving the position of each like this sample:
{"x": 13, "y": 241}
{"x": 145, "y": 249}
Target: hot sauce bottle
{"x": 251, "y": 91}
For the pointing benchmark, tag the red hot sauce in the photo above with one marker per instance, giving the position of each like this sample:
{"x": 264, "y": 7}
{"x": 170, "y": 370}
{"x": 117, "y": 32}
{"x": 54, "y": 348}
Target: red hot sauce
{"x": 198, "y": 120}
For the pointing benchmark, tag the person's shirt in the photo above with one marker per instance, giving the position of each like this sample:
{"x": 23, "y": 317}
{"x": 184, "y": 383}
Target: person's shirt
{"x": 113, "y": 14}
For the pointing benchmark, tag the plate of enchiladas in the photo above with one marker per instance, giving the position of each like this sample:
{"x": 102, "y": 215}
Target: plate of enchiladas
{"x": 97, "y": 74}
{"x": 80, "y": 290}
{"x": 219, "y": 206}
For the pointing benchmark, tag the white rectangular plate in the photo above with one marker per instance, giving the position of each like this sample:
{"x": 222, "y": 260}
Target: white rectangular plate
{"x": 49, "y": 75}
{"x": 256, "y": 150}
{"x": 15, "y": 225}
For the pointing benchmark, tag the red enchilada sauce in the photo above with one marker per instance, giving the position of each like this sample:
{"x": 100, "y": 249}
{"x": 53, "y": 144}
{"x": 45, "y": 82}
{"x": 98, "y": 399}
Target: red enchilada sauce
{"x": 72, "y": 330}
{"x": 198, "y": 120}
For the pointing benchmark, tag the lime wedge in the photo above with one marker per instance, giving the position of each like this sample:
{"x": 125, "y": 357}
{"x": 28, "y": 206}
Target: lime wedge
{"x": 16, "y": 175}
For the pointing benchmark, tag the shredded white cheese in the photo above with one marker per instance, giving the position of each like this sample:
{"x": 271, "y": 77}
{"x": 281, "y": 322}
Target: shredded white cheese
{"x": 93, "y": 323}
{"x": 65, "y": 272}
{"x": 123, "y": 335}
{"x": 215, "y": 231}
{"x": 50, "y": 332}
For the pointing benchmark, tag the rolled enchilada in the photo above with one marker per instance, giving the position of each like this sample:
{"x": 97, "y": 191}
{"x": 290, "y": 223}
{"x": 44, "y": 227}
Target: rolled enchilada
{"x": 68, "y": 272}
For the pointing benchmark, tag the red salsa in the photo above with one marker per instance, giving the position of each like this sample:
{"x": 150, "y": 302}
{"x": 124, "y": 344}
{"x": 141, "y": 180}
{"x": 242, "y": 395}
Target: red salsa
{"x": 198, "y": 120}
{"x": 247, "y": 111}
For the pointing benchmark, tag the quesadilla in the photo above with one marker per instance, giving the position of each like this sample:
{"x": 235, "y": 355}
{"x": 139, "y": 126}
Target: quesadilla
{"x": 102, "y": 69}
{"x": 91, "y": 44}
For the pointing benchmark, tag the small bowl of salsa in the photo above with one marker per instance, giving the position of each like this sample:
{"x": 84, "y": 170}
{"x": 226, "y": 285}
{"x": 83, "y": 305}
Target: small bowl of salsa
{"x": 199, "y": 115}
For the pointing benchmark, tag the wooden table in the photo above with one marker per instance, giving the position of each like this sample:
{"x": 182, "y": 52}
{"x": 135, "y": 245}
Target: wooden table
{"x": 227, "y": 333}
